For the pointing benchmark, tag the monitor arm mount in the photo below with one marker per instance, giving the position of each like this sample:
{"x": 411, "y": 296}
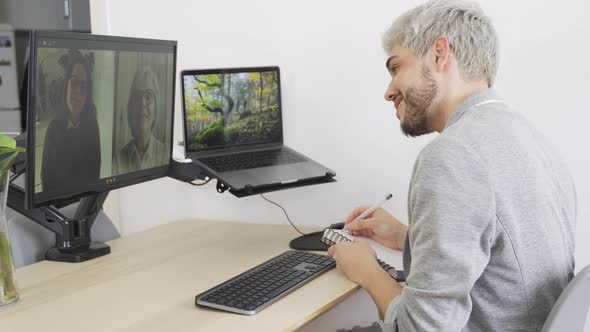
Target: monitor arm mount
{"x": 73, "y": 242}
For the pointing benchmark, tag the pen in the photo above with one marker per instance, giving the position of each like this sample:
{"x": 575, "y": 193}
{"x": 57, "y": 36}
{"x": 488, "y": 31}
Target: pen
{"x": 372, "y": 209}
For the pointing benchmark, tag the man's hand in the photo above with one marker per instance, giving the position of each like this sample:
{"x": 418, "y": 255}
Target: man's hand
{"x": 356, "y": 260}
{"x": 379, "y": 226}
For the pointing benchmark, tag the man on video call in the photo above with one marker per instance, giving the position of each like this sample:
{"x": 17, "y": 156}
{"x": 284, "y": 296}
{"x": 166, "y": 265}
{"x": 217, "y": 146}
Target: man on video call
{"x": 489, "y": 244}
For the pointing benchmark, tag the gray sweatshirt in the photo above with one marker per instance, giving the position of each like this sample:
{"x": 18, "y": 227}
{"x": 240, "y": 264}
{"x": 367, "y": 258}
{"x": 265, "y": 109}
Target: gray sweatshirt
{"x": 491, "y": 218}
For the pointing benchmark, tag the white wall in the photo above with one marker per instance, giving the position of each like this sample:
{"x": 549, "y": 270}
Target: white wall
{"x": 333, "y": 79}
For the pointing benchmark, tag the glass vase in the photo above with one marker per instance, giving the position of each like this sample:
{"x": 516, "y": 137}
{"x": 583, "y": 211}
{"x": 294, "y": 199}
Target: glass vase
{"x": 8, "y": 289}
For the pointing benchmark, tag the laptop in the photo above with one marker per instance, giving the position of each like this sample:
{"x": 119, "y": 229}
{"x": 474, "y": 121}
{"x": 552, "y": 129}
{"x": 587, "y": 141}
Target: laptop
{"x": 233, "y": 129}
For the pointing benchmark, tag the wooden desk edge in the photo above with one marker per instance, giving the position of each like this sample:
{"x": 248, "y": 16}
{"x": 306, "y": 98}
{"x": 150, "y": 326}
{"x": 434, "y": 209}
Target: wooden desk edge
{"x": 323, "y": 309}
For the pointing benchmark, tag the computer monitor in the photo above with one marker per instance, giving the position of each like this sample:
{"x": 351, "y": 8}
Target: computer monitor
{"x": 100, "y": 117}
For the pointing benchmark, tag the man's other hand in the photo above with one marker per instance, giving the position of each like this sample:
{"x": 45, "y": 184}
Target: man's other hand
{"x": 357, "y": 260}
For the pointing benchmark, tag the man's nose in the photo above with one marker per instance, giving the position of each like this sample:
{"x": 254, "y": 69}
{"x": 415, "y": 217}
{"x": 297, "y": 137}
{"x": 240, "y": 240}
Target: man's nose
{"x": 390, "y": 92}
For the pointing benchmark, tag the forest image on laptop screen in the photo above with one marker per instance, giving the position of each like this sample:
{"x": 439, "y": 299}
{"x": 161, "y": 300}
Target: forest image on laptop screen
{"x": 229, "y": 109}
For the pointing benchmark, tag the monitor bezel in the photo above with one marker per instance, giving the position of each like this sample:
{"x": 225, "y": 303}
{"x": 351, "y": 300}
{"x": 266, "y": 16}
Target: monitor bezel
{"x": 192, "y": 72}
{"x": 105, "y": 184}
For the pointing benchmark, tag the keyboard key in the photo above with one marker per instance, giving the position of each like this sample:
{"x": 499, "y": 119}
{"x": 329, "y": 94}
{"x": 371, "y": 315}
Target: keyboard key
{"x": 282, "y": 288}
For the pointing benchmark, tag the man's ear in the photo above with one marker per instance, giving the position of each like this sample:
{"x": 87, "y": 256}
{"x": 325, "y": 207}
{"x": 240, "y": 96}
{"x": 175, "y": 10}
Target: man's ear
{"x": 441, "y": 53}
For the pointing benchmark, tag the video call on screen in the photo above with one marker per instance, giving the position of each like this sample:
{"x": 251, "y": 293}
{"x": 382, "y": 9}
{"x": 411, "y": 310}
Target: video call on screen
{"x": 100, "y": 112}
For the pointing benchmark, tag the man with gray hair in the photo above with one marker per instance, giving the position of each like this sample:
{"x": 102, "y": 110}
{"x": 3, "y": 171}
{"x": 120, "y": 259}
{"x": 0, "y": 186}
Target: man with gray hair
{"x": 489, "y": 244}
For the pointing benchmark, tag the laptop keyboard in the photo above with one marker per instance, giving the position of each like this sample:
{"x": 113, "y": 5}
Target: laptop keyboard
{"x": 259, "y": 287}
{"x": 252, "y": 159}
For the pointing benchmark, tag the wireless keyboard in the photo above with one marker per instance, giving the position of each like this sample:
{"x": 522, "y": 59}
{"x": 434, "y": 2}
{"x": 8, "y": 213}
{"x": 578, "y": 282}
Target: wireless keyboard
{"x": 261, "y": 286}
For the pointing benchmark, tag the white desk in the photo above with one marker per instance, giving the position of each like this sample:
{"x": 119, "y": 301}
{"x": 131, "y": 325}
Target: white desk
{"x": 149, "y": 283}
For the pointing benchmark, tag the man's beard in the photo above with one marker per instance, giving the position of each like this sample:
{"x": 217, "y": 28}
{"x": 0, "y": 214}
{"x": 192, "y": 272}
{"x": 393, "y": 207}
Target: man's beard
{"x": 418, "y": 102}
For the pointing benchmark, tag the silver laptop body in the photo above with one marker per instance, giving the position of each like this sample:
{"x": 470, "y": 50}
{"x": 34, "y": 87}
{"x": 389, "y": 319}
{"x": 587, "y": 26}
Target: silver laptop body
{"x": 230, "y": 112}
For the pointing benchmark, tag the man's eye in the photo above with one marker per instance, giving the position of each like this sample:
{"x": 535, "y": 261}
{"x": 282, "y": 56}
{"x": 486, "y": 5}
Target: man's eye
{"x": 394, "y": 70}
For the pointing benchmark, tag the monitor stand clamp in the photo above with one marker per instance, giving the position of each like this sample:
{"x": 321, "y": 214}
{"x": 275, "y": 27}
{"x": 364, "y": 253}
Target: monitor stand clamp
{"x": 73, "y": 242}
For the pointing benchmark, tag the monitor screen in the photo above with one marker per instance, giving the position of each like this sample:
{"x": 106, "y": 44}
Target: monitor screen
{"x": 231, "y": 107}
{"x": 100, "y": 114}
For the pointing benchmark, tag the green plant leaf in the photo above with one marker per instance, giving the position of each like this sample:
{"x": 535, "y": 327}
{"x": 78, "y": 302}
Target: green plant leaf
{"x": 5, "y": 165}
{"x": 7, "y": 145}
{"x": 6, "y": 162}
{"x": 4, "y": 150}
{"x": 10, "y": 150}
{"x": 7, "y": 142}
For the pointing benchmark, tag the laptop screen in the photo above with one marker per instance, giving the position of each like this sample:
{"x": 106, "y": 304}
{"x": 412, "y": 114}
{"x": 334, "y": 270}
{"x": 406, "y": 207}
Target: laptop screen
{"x": 231, "y": 107}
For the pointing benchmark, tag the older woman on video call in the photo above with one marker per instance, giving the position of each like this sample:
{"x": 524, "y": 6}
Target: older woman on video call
{"x": 144, "y": 150}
